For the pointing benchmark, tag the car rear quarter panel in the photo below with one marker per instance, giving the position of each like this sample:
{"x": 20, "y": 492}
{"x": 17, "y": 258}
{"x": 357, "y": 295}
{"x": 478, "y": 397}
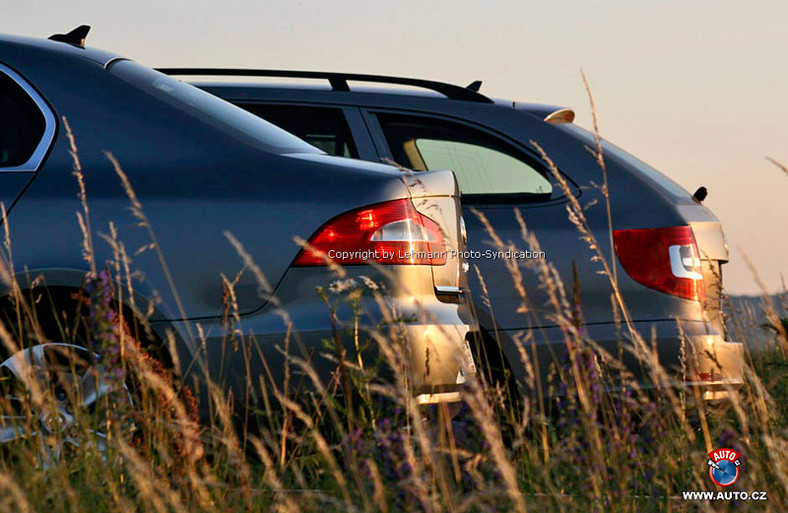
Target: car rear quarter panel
{"x": 195, "y": 183}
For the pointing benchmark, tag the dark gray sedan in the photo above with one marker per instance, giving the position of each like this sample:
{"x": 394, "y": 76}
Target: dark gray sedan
{"x": 207, "y": 172}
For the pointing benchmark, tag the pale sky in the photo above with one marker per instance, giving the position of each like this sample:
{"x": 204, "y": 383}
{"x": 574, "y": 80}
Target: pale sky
{"x": 695, "y": 88}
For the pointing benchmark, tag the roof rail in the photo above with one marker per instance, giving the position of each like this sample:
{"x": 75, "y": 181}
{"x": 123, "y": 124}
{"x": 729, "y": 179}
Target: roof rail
{"x": 338, "y": 81}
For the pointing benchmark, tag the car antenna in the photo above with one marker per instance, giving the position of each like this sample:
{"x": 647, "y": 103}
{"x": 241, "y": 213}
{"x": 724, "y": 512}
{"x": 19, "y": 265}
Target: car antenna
{"x": 700, "y": 194}
{"x": 76, "y": 37}
{"x": 474, "y": 86}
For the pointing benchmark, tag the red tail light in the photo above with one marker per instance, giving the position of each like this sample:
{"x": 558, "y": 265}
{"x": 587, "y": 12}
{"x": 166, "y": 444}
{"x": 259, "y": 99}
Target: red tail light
{"x": 702, "y": 376}
{"x": 665, "y": 259}
{"x": 391, "y": 233}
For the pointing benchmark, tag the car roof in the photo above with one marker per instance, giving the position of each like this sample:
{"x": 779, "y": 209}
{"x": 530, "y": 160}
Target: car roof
{"x": 100, "y": 57}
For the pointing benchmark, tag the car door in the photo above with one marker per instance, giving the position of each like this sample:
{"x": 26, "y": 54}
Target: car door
{"x": 498, "y": 179}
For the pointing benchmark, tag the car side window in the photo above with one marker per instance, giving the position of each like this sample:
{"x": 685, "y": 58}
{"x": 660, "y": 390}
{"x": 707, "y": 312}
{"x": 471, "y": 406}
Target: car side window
{"x": 483, "y": 165}
{"x": 22, "y": 124}
{"x": 323, "y": 127}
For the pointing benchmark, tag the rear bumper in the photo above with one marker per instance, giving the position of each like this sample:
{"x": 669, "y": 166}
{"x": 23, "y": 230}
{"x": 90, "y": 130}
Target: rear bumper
{"x": 714, "y": 392}
{"x": 718, "y": 362}
{"x": 428, "y": 339}
{"x": 719, "y": 368}
{"x": 691, "y": 355}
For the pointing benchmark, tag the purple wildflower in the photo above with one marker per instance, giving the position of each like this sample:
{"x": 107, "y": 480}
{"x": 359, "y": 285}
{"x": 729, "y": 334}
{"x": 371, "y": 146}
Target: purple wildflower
{"x": 104, "y": 328}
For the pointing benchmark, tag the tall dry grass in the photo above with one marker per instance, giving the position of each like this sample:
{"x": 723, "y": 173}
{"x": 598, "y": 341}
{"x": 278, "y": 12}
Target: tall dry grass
{"x": 358, "y": 441}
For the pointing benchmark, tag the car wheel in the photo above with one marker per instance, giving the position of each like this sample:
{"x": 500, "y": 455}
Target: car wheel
{"x": 60, "y": 396}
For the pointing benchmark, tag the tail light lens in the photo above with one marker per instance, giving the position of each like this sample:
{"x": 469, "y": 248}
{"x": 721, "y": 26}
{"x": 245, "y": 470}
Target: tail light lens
{"x": 702, "y": 376}
{"x": 391, "y": 233}
{"x": 664, "y": 259}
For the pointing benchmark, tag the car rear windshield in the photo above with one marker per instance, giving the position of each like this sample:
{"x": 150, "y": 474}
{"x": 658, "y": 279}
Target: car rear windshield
{"x": 614, "y": 151}
{"x": 210, "y": 109}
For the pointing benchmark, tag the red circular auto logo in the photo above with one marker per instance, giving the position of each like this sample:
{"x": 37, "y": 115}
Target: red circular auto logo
{"x": 724, "y": 466}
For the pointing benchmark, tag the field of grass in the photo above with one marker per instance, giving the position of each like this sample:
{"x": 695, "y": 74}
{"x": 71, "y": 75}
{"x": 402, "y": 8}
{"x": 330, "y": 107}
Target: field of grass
{"x": 371, "y": 448}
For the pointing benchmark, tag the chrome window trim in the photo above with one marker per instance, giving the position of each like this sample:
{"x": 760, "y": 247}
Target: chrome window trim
{"x": 50, "y": 124}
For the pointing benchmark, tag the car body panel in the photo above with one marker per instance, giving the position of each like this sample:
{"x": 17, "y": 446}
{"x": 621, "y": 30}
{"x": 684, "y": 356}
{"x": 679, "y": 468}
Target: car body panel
{"x": 11, "y": 186}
